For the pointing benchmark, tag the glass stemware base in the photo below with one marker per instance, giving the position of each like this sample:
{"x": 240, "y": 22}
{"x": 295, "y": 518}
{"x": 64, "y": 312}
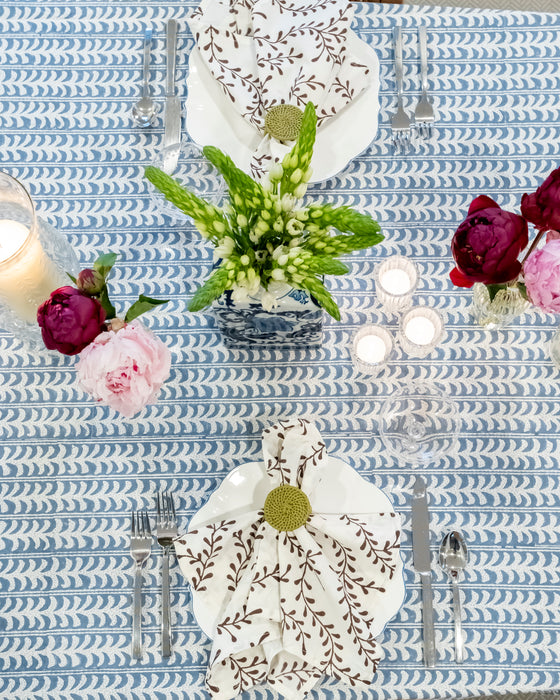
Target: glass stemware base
{"x": 419, "y": 423}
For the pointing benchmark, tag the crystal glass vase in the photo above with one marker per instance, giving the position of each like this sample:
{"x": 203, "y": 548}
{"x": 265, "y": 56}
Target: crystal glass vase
{"x": 34, "y": 260}
{"x": 499, "y": 312}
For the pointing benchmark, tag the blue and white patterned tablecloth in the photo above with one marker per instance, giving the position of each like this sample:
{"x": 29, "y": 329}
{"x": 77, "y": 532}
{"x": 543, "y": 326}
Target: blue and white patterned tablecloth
{"x": 71, "y": 471}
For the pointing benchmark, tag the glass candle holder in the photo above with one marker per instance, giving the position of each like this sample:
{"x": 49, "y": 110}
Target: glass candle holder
{"x": 34, "y": 260}
{"x": 421, "y": 329}
{"x": 372, "y": 347}
{"x": 396, "y": 280}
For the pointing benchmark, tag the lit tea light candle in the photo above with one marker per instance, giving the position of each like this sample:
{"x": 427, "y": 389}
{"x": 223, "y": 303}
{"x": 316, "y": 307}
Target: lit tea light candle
{"x": 421, "y": 330}
{"x": 395, "y": 281}
{"x": 371, "y": 348}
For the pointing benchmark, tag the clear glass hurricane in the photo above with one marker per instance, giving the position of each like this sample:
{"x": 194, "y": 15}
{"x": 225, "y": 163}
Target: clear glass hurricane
{"x": 419, "y": 423}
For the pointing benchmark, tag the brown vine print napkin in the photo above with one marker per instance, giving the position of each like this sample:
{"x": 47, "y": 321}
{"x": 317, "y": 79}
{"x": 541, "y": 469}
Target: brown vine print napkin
{"x": 295, "y": 604}
{"x": 269, "y": 52}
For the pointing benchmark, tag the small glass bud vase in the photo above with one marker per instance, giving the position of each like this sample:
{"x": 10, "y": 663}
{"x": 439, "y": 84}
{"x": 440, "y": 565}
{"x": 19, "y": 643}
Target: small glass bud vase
{"x": 499, "y": 312}
{"x": 34, "y": 260}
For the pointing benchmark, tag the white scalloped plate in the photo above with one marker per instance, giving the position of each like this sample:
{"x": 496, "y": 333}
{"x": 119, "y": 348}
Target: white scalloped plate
{"x": 340, "y": 489}
{"x": 212, "y": 120}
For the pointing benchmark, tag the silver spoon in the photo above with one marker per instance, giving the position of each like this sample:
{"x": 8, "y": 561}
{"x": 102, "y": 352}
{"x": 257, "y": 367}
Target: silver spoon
{"x": 453, "y": 558}
{"x": 145, "y": 110}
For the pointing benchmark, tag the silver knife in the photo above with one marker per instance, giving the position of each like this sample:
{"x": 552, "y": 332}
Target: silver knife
{"x": 422, "y": 564}
{"x": 172, "y": 115}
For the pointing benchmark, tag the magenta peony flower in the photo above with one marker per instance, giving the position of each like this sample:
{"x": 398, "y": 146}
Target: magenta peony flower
{"x": 125, "y": 369}
{"x": 70, "y": 320}
{"x": 486, "y": 245}
{"x": 542, "y": 277}
{"x": 542, "y": 208}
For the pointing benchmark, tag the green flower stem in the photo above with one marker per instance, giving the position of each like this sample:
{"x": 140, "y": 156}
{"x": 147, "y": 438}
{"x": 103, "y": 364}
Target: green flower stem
{"x": 209, "y": 220}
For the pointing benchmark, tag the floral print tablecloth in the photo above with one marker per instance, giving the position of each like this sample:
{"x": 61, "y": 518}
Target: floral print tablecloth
{"x": 71, "y": 471}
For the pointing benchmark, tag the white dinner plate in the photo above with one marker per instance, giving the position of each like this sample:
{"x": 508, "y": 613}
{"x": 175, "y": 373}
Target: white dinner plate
{"x": 212, "y": 120}
{"x": 340, "y": 489}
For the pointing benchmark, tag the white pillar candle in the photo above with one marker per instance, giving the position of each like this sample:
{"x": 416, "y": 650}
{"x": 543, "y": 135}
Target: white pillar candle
{"x": 371, "y": 349}
{"x": 27, "y": 276}
{"x": 420, "y": 330}
{"x": 395, "y": 281}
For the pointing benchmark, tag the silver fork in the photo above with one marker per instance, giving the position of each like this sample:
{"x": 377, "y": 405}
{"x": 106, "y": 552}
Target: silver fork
{"x": 140, "y": 546}
{"x": 401, "y": 123}
{"x": 166, "y": 533}
{"x": 424, "y": 113}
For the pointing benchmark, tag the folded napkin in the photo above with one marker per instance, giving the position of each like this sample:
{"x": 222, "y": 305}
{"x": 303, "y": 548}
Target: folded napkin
{"x": 269, "y": 52}
{"x": 296, "y": 604}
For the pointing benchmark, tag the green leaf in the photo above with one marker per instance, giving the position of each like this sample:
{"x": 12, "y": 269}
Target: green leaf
{"x": 104, "y": 263}
{"x": 327, "y": 265}
{"x": 523, "y": 290}
{"x": 321, "y": 293}
{"x": 72, "y": 277}
{"x": 106, "y": 303}
{"x": 203, "y": 213}
{"x": 140, "y": 307}
{"x": 213, "y": 288}
{"x": 247, "y": 194}
{"x": 493, "y": 289}
{"x": 302, "y": 151}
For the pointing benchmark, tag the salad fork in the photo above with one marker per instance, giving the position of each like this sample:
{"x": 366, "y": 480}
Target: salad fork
{"x": 166, "y": 533}
{"x": 401, "y": 123}
{"x": 424, "y": 113}
{"x": 140, "y": 547}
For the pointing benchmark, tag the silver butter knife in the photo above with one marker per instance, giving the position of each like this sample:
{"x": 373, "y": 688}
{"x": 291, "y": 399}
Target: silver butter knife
{"x": 422, "y": 564}
{"x": 172, "y": 115}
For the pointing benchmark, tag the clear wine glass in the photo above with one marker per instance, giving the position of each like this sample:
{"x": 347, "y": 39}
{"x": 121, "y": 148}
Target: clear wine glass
{"x": 419, "y": 422}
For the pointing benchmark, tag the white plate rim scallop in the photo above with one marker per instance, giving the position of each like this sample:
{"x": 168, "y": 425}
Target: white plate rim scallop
{"x": 212, "y": 120}
{"x": 340, "y": 489}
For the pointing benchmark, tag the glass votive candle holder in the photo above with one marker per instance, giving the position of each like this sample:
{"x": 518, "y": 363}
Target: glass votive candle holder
{"x": 372, "y": 346}
{"x": 421, "y": 329}
{"x": 34, "y": 261}
{"x": 396, "y": 280}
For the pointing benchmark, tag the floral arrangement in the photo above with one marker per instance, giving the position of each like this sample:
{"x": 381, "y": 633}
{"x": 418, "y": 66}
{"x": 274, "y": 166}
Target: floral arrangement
{"x": 265, "y": 238}
{"x": 122, "y": 363}
{"x": 487, "y": 245}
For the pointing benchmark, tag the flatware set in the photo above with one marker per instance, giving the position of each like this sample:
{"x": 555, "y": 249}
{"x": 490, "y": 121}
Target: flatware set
{"x": 140, "y": 549}
{"x": 407, "y": 128}
{"x": 145, "y": 111}
{"x": 453, "y": 558}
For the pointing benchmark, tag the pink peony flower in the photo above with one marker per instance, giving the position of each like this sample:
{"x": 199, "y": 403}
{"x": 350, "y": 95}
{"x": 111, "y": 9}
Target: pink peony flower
{"x": 125, "y": 369}
{"x": 542, "y": 277}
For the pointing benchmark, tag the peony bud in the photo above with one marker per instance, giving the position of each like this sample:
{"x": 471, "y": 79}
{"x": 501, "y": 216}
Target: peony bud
{"x": 90, "y": 281}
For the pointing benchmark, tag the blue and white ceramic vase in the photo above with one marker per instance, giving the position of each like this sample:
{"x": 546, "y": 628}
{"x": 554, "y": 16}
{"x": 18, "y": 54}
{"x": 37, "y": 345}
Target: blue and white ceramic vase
{"x": 295, "y": 321}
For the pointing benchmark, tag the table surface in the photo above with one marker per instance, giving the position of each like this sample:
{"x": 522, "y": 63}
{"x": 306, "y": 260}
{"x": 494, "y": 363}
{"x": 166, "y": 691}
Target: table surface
{"x": 72, "y": 471}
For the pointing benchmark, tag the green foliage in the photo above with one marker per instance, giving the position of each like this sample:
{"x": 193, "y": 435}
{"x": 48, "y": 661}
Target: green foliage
{"x": 140, "y": 307}
{"x": 493, "y": 289}
{"x": 104, "y": 263}
{"x": 213, "y": 288}
{"x": 264, "y": 235}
